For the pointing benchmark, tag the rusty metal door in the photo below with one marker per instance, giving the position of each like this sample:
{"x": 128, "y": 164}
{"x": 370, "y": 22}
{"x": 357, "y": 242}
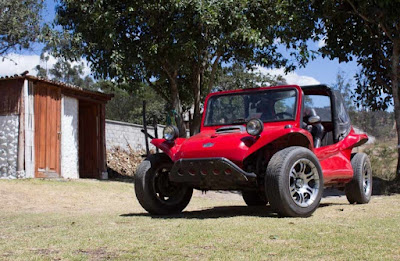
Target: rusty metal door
{"x": 47, "y": 131}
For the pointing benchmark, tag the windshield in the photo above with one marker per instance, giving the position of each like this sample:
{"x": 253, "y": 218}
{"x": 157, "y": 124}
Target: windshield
{"x": 237, "y": 108}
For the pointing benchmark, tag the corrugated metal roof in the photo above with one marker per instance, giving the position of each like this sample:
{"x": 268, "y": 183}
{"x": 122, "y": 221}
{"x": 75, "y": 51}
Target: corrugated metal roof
{"x": 57, "y": 83}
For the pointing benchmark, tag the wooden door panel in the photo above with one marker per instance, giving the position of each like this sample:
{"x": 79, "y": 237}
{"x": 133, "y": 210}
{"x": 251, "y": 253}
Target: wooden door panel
{"x": 40, "y": 127}
{"x": 53, "y": 129}
{"x": 88, "y": 140}
{"x": 47, "y": 130}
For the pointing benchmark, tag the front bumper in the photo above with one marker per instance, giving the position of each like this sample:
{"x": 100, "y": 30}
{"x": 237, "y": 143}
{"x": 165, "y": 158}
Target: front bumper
{"x": 212, "y": 174}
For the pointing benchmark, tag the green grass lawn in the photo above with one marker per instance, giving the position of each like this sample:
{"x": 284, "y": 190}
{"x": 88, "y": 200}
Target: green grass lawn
{"x": 97, "y": 220}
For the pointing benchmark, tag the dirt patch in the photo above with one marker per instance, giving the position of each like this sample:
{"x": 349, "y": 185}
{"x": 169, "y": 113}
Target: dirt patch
{"x": 97, "y": 254}
{"x": 7, "y": 254}
{"x": 222, "y": 195}
{"x": 45, "y": 251}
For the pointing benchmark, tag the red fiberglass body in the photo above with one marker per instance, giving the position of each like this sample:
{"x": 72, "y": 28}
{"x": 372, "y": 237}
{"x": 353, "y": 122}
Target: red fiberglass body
{"x": 237, "y": 146}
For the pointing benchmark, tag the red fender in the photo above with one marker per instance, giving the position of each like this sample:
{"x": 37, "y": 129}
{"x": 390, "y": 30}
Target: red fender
{"x": 269, "y": 137}
{"x": 169, "y": 147}
{"x": 354, "y": 140}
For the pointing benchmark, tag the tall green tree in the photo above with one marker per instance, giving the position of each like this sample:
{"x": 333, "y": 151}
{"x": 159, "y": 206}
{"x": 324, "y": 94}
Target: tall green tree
{"x": 176, "y": 46}
{"x": 362, "y": 116}
{"x": 344, "y": 86}
{"x": 65, "y": 71}
{"x": 239, "y": 77}
{"x": 126, "y": 105}
{"x": 369, "y": 31}
{"x": 19, "y": 24}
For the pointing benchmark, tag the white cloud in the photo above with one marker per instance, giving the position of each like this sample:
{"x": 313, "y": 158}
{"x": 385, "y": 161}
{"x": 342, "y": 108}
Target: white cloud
{"x": 277, "y": 40}
{"x": 291, "y": 78}
{"x": 18, "y": 63}
{"x": 321, "y": 43}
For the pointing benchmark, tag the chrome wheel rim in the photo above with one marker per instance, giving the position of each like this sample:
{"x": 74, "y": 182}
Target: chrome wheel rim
{"x": 366, "y": 179}
{"x": 304, "y": 183}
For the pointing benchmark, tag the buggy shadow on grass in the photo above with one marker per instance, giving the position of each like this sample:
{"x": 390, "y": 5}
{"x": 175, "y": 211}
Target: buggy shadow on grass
{"x": 222, "y": 212}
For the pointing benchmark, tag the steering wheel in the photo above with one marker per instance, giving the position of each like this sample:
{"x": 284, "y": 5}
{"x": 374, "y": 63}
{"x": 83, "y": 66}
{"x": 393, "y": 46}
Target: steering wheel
{"x": 283, "y": 115}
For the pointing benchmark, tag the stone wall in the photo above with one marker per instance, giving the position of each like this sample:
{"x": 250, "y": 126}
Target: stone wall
{"x": 69, "y": 138}
{"x": 8, "y": 146}
{"x": 122, "y": 134}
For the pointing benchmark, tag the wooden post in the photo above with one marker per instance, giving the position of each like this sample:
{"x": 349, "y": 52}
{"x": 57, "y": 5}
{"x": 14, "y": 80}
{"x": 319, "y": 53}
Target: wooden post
{"x": 21, "y": 137}
{"x": 190, "y": 123}
{"x": 103, "y": 149}
{"x": 155, "y": 131}
{"x": 145, "y": 128}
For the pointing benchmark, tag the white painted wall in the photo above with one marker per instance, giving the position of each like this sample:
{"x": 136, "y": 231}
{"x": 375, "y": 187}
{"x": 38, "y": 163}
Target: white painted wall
{"x": 69, "y": 138}
{"x": 29, "y": 130}
{"x": 9, "y": 146}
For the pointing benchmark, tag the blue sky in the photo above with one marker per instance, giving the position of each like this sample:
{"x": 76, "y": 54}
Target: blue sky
{"x": 319, "y": 70}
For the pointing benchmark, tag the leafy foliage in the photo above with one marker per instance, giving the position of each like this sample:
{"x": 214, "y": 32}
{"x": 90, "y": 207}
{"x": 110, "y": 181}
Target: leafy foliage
{"x": 19, "y": 24}
{"x": 344, "y": 86}
{"x": 379, "y": 124}
{"x": 368, "y": 32}
{"x": 239, "y": 77}
{"x": 127, "y": 103}
{"x": 383, "y": 160}
{"x": 177, "y": 46}
{"x": 64, "y": 71}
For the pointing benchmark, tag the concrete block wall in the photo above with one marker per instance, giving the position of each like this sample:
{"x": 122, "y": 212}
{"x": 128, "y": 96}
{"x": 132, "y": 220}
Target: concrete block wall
{"x": 9, "y": 126}
{"x": 122, "y": 134}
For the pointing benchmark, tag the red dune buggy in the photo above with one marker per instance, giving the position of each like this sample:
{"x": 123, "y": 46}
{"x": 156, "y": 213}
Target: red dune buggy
{"x": 279, "y": 145}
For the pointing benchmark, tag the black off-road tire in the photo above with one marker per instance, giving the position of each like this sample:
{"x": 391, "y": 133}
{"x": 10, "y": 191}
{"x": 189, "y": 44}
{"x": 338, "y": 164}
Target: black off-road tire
{"x": 147, "y": 180}
{"x": 356, "y": 192}
{"x": 253, "y": 198}
{"x": 278, "y": 181}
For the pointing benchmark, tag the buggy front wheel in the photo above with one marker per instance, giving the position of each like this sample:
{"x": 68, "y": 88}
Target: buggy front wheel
{"x": 155, "y": 192}
{"x": 294, "y": 182}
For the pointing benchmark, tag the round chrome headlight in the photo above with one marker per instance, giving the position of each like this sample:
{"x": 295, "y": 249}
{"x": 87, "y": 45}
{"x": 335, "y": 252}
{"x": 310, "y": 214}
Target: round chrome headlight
{"x": 254, "y": 127}
{"x": 170, "y": 132}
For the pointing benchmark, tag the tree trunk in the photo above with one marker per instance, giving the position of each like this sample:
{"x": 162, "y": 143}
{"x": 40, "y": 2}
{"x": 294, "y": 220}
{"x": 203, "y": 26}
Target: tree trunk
{"x": 396, "y": 100}
{"x": 176, "y": 104}
{"x": 195, "y": 126}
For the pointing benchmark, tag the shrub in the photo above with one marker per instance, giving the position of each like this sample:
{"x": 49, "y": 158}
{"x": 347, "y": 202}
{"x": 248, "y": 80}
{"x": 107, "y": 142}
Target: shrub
{"x": 383, "y": 158}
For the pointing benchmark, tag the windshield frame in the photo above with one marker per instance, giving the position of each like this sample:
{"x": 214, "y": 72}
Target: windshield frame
{"x": 250, "y": 91}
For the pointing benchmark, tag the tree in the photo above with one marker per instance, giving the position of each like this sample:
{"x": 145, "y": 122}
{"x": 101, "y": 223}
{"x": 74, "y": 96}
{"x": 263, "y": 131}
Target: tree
{"x": 64, "y": 71}
{"x": 19, "y": 24}
{"x": 343, "y": 85}
{"x": 126, "y": 105}
{"x": 239, "y": 77}
{"x": 370, "y": 32}
{"x": 363, "y": 117}
{"x": 176, "y": 46}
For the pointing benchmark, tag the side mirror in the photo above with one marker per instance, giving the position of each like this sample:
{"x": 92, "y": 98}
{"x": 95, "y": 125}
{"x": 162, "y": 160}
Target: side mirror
{"x": 314, "y": 119}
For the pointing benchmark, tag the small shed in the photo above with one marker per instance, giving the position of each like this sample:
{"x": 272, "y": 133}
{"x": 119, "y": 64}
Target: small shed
{"x": 50, "y": 129}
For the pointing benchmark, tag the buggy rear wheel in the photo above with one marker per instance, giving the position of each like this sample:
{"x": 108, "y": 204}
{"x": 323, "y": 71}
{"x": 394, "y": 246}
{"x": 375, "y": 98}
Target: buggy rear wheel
{"x": 155, "y": 192}
{"x": 253, "y": 198}
{"x": 359, "y": 190}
